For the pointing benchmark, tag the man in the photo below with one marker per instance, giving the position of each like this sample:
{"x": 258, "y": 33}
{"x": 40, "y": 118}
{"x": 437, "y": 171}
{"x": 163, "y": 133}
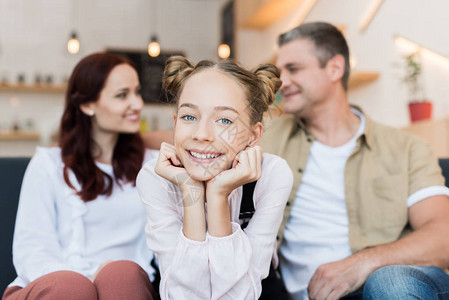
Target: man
{"x": 359, "y": 187}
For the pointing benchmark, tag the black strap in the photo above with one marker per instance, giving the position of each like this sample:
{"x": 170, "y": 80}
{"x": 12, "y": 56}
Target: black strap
{"x": 247, "y": 205}
{"x": 272, "y": 287}
{"x": 157, "y": 278}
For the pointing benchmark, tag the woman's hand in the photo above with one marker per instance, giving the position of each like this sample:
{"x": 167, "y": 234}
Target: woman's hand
{"x": 247, "y": 167}
{"x": 169, "y": 167}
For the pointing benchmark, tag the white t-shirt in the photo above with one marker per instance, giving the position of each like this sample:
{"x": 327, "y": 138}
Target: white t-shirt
{"x": 55, "y": 230}
{"x": 317, "y": 230}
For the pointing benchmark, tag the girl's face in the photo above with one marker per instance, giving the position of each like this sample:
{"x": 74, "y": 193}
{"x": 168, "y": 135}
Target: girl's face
{"x": 212, "y": 124}
{"x": 119, "y": 106}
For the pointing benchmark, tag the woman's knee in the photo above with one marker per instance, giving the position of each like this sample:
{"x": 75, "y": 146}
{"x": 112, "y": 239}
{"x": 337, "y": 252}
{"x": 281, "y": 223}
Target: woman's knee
{"x": 72, "y": 285}
{"x": 123, "y": 280}
{"x": 125, "y": 270}
{"x": 60, "y": 285}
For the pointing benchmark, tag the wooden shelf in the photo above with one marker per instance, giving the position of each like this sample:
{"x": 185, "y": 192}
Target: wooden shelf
{"x": 272, "y": 11}
{"x": 19, "y": 135}
{"x": 357, "y": 79}
{"x": 39, "y": 88}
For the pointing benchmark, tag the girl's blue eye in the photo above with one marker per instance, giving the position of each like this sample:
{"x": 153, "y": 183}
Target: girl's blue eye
{"x": 225, "y": 121}
{"x": 188, "y": 118}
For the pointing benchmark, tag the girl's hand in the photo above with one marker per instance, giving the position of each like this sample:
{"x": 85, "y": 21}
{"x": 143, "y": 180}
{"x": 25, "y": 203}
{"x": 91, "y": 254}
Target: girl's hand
{"x": 247, "y": 167}
{"x": 170, "y": 167}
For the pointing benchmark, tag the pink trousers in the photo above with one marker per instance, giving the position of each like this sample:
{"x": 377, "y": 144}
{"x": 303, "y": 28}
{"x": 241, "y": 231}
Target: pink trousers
{"x": 117, "y": 280}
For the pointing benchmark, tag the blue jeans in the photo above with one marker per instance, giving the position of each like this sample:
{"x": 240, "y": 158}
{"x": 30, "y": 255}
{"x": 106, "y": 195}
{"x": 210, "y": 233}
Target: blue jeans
{"x": 404, "y": 282}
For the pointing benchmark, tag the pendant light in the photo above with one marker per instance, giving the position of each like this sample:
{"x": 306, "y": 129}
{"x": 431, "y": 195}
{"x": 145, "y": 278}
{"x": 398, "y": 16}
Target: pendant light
{"x": 73, "y": 45}
{"x": 227, "y": 30}
{"x": 224, "y": 51}
{"x": 154, "y": 49}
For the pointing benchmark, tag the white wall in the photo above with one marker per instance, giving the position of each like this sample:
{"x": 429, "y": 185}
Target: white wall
{"x": 34, "y": 34}
{"x": 374, "y": 50}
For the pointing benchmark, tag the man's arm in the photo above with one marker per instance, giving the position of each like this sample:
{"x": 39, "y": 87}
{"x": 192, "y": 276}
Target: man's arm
{"x": 154, "y": 139}
{"x": 426, "y": 245}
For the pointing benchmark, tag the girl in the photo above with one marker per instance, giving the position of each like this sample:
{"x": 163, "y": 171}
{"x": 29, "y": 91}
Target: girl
{"x": 80, "y": 224}
{"x": 193, "y": 191}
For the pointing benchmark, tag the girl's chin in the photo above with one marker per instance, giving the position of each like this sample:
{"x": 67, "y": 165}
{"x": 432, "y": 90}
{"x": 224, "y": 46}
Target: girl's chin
{"x": 202, "y": 174}
{"x": 205, "y": 172}
{"x": 129, "y": 130}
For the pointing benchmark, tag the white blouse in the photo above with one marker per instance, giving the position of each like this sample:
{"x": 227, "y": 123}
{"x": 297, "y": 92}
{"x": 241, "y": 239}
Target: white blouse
{"x": 55, "y": 230}
{"x": 230, "y": 267}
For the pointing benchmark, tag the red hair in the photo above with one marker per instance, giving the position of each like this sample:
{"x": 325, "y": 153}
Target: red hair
{"x": 85, "y": 85}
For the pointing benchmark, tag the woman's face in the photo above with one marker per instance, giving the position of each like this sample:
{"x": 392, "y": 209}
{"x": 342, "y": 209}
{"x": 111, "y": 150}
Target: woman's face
{"x": 212, "y": 124}
{"x": 118, "y": 108}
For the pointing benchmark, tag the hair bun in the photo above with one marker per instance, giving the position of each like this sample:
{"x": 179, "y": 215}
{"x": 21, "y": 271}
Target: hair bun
{"x": 177, "y": 68}
{"x": 270, "y": 82}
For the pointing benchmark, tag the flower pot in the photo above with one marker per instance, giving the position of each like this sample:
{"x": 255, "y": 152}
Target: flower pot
{"x": 420, "y": 111}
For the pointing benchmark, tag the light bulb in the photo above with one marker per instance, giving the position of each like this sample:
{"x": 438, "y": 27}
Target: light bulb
{"x": 154, "y": 49}
{"x": 224, "y": 51}
{"x": 73, "y": 45}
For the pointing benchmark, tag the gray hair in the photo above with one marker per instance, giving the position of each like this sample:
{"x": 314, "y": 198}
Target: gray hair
{"x": 328, "y": 42}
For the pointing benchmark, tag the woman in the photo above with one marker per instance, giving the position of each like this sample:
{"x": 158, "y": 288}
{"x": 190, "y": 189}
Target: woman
{"x": 80, "y": 224}
{"x": 193, "y": 191}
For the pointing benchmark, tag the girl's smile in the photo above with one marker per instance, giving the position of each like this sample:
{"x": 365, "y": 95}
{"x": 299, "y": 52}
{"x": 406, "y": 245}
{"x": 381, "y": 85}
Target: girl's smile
{"x": 211, "y": 109}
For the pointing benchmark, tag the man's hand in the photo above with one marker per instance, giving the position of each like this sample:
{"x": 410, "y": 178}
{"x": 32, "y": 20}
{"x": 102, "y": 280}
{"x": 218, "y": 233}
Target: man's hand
{"x": 337, "y": 279}
{"x": 426, "y": 246}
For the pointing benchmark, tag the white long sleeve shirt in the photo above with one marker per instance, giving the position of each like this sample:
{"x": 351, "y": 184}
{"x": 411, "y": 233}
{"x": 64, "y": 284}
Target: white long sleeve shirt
{"x": 230, "y": 267}
{"x": 55, "y": 230}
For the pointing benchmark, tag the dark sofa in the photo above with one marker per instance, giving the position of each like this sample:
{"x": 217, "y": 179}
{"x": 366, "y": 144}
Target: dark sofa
{"x": 11, "y": 173}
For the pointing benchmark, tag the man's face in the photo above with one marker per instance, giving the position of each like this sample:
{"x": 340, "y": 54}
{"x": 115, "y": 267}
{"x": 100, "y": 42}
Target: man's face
{"x": 305, "y": 84}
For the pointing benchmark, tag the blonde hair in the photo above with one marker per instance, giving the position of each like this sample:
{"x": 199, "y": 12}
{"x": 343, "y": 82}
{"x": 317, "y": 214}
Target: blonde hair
{"x": 260, "y": 85}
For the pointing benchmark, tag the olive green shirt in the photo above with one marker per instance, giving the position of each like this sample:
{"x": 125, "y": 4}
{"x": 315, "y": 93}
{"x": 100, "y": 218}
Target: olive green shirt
{"x": 386, "y": 166}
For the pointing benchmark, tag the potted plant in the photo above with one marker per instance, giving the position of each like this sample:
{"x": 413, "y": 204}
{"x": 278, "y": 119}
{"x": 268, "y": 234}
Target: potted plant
{"x": 419, "y": 107}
